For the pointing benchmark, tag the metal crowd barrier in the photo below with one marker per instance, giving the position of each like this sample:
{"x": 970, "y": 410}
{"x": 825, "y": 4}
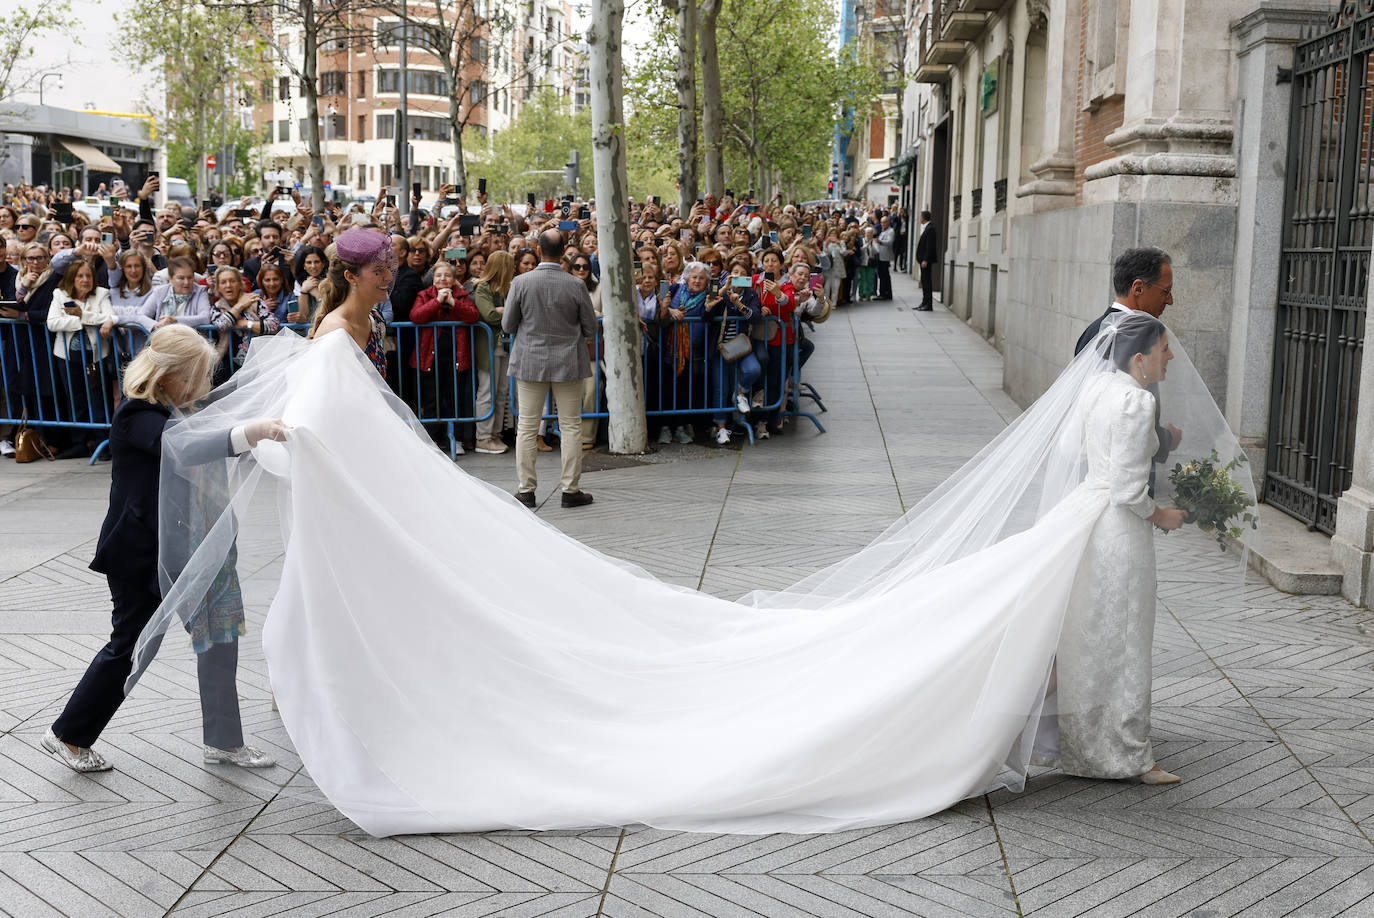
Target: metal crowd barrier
{"x": 82, "y": 391}
{"x": 78, "y": 392}
{"x": 665, "y": 396}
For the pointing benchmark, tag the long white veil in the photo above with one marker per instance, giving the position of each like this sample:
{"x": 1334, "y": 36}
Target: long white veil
{"x": 430, "y": 684}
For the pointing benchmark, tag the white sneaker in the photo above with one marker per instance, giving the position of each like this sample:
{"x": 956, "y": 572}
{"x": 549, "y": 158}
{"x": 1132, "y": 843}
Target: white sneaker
{"x": 722, "y": 435}
{"x": 761, "y": 431}
{"x": 758, "y": 399}
{"x": 741, "y": 401}
{"x": 685, "y": 434}
{"x": 6, "y": 449}
{"x": 458, "y": 450}
{"x": 665, "y": 435}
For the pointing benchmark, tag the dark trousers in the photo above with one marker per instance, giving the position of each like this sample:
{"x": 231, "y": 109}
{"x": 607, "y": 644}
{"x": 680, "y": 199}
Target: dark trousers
{"x": 101, "y": 690}
{"x": 884, "y": 278}
{"x": 927, "y": 285}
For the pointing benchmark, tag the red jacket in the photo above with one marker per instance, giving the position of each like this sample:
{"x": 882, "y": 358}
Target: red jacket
{"x": 428, "y": 309}
{"x": 784, "y": 312}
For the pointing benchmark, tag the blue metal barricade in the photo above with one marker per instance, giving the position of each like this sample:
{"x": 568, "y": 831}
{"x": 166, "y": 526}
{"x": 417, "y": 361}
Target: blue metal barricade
{"x": 684, "y": 379}
{"x": 442, "y": 396}
{"x": 77, "y": 390}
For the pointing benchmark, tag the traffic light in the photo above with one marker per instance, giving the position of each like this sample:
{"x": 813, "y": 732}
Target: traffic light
{"x": 571, "y": 169}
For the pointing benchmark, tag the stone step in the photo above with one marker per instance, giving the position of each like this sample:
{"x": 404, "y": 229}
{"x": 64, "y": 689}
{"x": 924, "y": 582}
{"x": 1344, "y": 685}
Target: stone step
{"x": 1293, "y": 558}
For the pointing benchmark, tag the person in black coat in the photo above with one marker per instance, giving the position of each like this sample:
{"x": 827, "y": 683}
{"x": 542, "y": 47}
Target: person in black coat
{"x": 927, "y": 255}
{"x": 172, "y": 371}
{"x": 1143, "y": 280}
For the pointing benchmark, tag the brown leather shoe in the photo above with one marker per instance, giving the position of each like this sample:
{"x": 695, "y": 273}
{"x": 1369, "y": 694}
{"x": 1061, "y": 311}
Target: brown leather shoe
{"x": 527, "y": 498}
{"x": 576, "y": 498}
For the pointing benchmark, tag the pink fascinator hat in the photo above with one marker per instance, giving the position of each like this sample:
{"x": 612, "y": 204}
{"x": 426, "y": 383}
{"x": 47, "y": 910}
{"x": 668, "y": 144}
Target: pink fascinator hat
{"x": 363, "y": 247}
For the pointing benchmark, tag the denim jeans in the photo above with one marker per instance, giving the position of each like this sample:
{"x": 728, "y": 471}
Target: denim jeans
{"x": 726, "y": 377}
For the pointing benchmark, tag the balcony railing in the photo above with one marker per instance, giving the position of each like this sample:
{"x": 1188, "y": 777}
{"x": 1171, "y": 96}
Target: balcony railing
{"x": 977, "y": 201}
{"x": 999, "y": 195}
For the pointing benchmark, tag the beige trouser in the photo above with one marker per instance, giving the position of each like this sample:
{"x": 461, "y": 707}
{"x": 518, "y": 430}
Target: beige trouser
{"x": 589, "y": 406}
{"x": 567, "y": 397}
{"x": 488, "y": 380}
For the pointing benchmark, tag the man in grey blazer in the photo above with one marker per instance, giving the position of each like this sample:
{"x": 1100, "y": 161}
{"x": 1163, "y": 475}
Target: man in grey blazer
{"x": 550, "y": 314}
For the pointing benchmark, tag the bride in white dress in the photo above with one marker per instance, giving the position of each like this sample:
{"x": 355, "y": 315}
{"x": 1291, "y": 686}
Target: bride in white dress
{"x": 431, "y": 691}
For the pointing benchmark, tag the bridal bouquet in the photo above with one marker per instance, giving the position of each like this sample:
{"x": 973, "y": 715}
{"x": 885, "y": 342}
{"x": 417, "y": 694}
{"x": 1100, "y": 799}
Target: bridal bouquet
{"x": 1212, "y": 498}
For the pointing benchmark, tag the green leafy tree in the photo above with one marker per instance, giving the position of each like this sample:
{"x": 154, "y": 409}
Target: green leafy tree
{"x": 784, "y": 86}
{"x": 212, "y": 69}
{"x": 529, "y": 155}
{"x": 20, "y": 32}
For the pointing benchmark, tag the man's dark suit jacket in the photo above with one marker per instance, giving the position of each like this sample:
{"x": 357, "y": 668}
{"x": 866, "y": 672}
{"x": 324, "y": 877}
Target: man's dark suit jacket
{"x": 925, "y": 245}
{"x": 1165, "y": 439}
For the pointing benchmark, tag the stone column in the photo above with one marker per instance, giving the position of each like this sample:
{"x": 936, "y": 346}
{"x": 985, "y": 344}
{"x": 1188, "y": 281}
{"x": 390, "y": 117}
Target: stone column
{"x": 1175, "y": 140}
{"x": 1264, "y": 41}
{"x": 1053, "y": 186}
{"x": 1352, "y": 547}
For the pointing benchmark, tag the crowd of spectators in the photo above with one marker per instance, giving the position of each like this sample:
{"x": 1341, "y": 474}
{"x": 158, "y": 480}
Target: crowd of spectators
{"x": 727, "y": 268}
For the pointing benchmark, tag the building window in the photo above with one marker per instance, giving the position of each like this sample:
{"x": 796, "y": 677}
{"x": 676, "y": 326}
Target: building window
{"x": 420, "y": 82}
{"x": 417, "y": 34}
{"x": 304, "y": 127}
{"x": 267, "y": 132}
{"x": 333, "y": 83}
{"x": 428, "y": 128}
{"x": 362, "y": 128}
{"x": 266, "y": 95}
{"x": 283, "y": 89}
{"x": 1105, "y": 39}
{"x": 477, "y": 92}
{"x": 477, "y": 49}
{"x": 335, "y": 127}
{"x": 283, "y": 130}
{"x": 362, "y": 84}
{"x": 386, "y": 127}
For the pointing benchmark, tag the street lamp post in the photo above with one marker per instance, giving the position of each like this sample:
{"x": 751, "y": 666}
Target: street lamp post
{"x": 43, "y": 79}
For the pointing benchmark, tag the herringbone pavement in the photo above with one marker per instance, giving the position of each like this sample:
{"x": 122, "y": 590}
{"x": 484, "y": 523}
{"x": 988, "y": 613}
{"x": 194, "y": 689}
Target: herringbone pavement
{"x": 1263, "y": 702}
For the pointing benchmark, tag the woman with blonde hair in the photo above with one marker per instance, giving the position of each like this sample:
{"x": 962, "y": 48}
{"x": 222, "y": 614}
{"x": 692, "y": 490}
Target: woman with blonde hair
{"x": 170, "y": 374}
{"x": 489, "y": 296}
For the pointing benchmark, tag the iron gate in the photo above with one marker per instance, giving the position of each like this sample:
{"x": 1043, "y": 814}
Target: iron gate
{"x": 1327, "y": 233}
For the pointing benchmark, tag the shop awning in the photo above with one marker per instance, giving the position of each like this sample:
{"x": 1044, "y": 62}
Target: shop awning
{"x": 88, "y": 155}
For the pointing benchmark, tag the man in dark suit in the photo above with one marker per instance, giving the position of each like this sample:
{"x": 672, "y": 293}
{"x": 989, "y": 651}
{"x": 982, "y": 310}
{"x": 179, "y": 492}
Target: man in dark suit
{"x": 926, "y": 256}
{"x": 1143, "y": 280}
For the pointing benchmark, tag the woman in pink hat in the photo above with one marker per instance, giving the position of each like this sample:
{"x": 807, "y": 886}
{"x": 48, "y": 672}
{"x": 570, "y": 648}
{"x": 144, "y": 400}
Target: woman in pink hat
{"x": 360, "y": 275}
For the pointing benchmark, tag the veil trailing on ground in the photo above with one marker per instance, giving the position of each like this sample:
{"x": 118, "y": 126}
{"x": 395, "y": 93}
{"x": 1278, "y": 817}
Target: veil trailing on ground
{"x": 446, "y": 661}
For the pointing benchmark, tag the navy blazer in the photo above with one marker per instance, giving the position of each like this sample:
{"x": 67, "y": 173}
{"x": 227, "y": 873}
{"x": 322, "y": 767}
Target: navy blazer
{"x": 127, "y": 547}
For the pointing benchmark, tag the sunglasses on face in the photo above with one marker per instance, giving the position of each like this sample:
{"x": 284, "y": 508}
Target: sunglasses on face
{"x": 581, "y": 266}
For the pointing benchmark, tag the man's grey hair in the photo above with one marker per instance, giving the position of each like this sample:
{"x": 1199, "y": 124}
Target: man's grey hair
{"x": 1145, "y": 264}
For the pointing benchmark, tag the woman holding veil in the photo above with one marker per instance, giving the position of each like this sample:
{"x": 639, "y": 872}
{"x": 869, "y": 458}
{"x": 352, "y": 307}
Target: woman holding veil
{"x": 453, "y": 697}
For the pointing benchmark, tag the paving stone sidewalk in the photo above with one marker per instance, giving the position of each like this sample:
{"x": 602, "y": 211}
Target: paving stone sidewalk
{"x": 1264, "y": 702}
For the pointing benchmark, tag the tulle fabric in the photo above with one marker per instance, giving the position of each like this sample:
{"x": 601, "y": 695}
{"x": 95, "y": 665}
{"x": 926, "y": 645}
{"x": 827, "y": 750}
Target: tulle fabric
{"x": 443, "y": 660}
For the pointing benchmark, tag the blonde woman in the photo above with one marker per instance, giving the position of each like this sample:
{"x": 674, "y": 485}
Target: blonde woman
{"x": 489, "y": 296}
{"x": 171, "y": 373}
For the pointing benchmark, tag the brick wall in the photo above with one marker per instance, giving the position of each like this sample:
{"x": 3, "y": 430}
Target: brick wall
{"x": 1091, "y": 127}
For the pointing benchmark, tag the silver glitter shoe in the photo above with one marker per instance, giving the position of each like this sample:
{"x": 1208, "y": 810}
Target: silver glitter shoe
{"x": 84, "y": 760}
{"x": 243, "y": 757}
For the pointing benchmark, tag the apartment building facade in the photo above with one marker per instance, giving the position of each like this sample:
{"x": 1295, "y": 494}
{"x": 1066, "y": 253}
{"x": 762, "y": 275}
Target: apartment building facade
{"x": 524, "y": 48}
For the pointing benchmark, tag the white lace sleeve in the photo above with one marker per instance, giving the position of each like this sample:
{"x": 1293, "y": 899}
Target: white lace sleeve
{"x": 1133, "y": 445}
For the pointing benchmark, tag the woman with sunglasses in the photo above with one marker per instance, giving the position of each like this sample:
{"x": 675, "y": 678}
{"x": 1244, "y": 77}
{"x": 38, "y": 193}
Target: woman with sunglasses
{"x": 580, "y": 267}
